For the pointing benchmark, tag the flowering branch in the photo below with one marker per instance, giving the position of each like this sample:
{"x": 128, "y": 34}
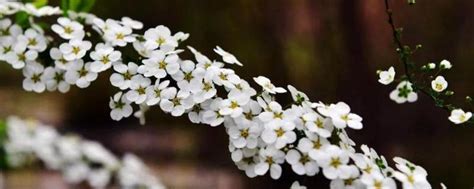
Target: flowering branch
{"x": 79, "y": 160}
{"x": 263, "y": 134}
{"x": 407, "y": 88}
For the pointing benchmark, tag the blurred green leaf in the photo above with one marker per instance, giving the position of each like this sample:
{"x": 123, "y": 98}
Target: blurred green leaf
{"x": 3, "y": 137}
{"x": 40, "y": 3}
{"x": 21, "y": 18}
{"x": 77, "y": 5}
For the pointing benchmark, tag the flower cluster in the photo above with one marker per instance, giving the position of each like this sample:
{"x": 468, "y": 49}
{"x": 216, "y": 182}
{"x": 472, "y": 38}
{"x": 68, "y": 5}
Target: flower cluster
{"x": 426, "y": 79}
{"x": 79, "y": 160}
{"x": 263, "y": 134}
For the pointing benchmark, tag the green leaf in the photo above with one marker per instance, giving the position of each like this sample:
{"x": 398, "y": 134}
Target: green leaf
{"x": 40, "y": 3}
{"x": 77, "y": 5}
{"x": 3, "y": 137}
{"x": 21, "y": 18}
{"x": 86, "y": 5}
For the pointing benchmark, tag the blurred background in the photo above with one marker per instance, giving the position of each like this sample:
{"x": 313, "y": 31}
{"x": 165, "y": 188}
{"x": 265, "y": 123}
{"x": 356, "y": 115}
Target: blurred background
{"x": 329, "y": 49}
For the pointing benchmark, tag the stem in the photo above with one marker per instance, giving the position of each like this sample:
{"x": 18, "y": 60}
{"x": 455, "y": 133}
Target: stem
{"x": 405, "y": 55}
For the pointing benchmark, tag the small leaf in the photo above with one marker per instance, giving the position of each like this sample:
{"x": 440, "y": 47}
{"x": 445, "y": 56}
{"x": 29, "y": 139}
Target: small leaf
{"x": 86, "y": 5}
{"x": 64, "y": 6}
{"x": 21, "y": 18}
{"x": 40, "y": 3}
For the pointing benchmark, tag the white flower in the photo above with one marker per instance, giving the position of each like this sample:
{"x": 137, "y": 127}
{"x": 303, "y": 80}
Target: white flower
{"x": 119, "y": 35}
{"x": 431, "y": 66}
{"x": 123, "y": 78}
{"x": 242, "y": 91}
{"x": 299, "y": 97}
{"x": 233, "y": 106}
{"x": 126, "y": 21}
{"x": 59, "y": 59}
{"x": 458, "y": 116}
{"x": 296, "y": 185}
{"x": 19, "y": 56}
{"x": 159, "y": 65}
{"x": 196, "y": 113}
{"x": 352, "y": 182}
{"x": 227, "y": 57}
{"x": 279, "y": 133}
{"x": 274, "y": 112}
{"x": 32, "y": 40}
{"x": 226, "y": 77}
{"x": 68, "y": 29}
{"x": 245, "y": 159}
{"x": 55, "y": 80}
{"x": 120, "y": 106}
{"x": 387, "y": 77}
{"x": 212, "y": 116}
{"x": 160, "y": 37}
{"x": 176, "y": 103}
{"x": 43, "y": 11}
{"x": 377, "y": 181}
{"x": 318, "y": 124}
{"x": 80, "y": 74}
{"x": 439, "y": 84}
{"x": 34, "y": 78}
{"x": 443, "y": 186}
{"x": 270, "y": 159}
{"x": 365, "y": 164}
{"x": 268, "y": 86}
{"x": 104, "y": 56}
{"x": 334, "y": 163}
{"x": 140, "y": 114}
{"x": 138, "y": 87}
{"x": 189, "y": 77}
{"x": 411, "y": 176}
{"x": 313, "y": 145}
{"x": 203, "y": 90}
{"x": 76, "y": 172}
{"x": 212, "y": 67}
{"x": 6, "y": 46}
{"x": 404, "y": 93}
{"x": 341, "y": 116}
{"x": 244, "y": 135}
{"x": 75, "y": 49}
{"x": 301, "y": 163}
{"x": 445, "y": 65}
{"x": 156, "y": 92}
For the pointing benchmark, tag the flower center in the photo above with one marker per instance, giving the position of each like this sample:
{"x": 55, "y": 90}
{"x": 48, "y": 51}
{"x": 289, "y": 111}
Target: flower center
{"x": 83, "y": 72}
{"x": 278, "y": 115}
{"x": 176, "y": 101}
{"x": 141, "y": 90}
{"x": 280, "y": 132}
{"x": 317, "y": 144}
{"x": 160, "y": 40}
{"x": 105, "y": 59}
{"x": 304, "y": 159}
{"x": 120, "y": 36}
{"x": 335, "y": 162}
{"x": 162, "y": 65}
{"x": 234, "y": 105}
{"x": 76, "y": 50}
{"x": 58, "y": 77}
{"x": 68, "y": 30}
{"x": 244, "y": 133}
{"x": 377, "y": 184}
{"x": 32, "y": 42}
{"x": 188, "y": 76}
{"x": 269, "y": 160}
{"x": 21, "y": 57}
{"x": 206, "y": 86}
{"x": 36, "y": 78}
